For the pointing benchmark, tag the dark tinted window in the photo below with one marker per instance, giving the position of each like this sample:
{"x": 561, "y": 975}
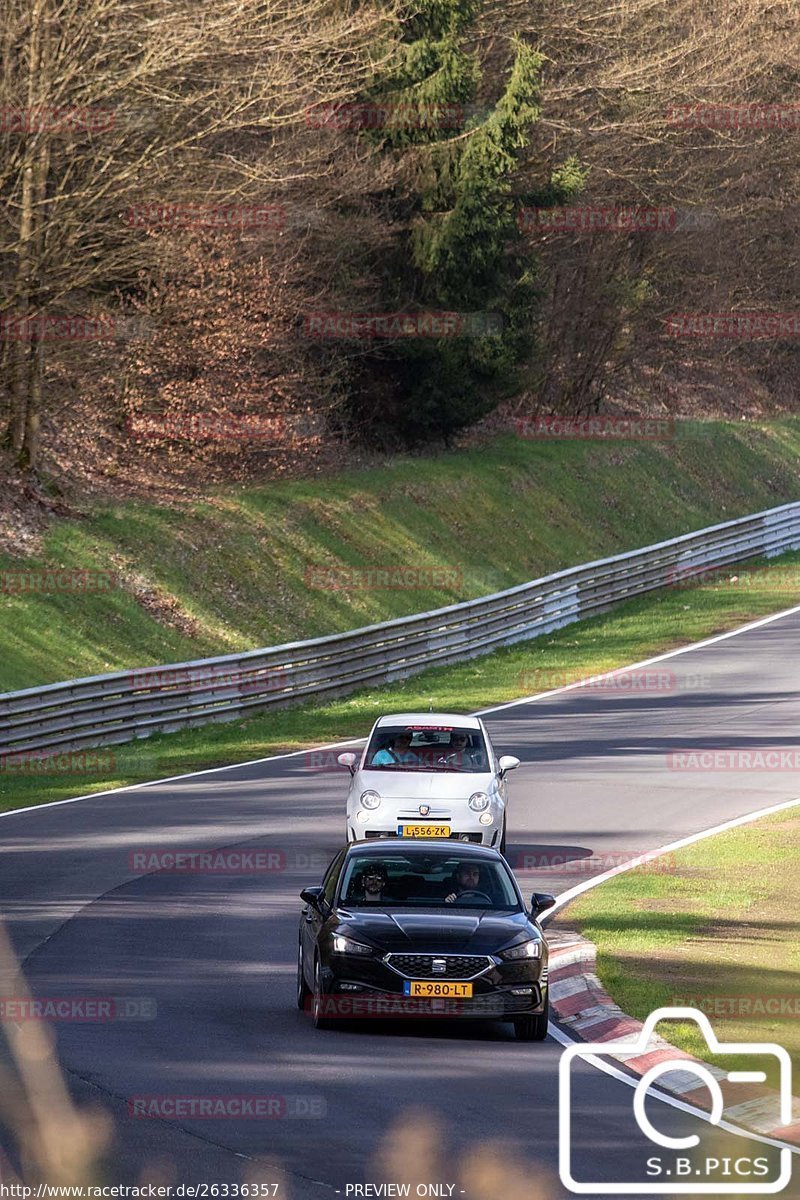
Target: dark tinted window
{"x": 332, "y": 878}
{"x": 418, "y": 880}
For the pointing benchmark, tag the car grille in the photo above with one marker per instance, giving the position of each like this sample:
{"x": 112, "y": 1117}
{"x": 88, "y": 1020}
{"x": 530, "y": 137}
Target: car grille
{"x": 420, "y": 966}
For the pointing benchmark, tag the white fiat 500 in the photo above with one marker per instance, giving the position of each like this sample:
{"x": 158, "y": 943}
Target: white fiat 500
{"x": 428, "y": 775}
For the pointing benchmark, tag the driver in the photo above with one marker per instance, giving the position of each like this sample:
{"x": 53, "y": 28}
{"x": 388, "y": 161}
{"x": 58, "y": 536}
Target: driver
{"x": 467, "y": 879}
{"x": 459, "y": 754}
{"x": 375, "y": 879}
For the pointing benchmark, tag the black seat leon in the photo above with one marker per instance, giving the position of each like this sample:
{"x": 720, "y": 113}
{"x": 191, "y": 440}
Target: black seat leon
{"x": 423, "y": 927}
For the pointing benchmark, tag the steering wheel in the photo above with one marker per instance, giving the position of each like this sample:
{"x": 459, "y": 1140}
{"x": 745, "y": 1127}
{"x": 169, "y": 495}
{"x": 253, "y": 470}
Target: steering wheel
{"x": 473, "y": 892}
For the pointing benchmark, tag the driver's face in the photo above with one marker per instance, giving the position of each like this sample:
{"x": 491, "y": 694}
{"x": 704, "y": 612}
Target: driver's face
{"x": 469, "y": 877}
{"x": 403, "y": 741}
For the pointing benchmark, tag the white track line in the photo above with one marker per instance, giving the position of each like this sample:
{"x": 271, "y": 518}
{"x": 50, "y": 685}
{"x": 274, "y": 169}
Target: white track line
{"x": 569, "y": 687}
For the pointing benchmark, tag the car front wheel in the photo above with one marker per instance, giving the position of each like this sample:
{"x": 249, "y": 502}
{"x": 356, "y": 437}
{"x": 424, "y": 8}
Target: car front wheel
{"x": 320, "y": 1021}
{"x": 532, "y": 1027}
{"x": 302, "y": 986}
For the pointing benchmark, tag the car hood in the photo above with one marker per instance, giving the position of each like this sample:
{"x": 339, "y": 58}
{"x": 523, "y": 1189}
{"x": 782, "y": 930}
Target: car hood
{"x": 424, "y": 785}
{"x": 432, "y": 931}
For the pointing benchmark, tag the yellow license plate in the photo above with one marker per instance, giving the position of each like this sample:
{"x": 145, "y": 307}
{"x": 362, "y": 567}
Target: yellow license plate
{"x": 423, "y": 831}
{"x": 435, "y": 987}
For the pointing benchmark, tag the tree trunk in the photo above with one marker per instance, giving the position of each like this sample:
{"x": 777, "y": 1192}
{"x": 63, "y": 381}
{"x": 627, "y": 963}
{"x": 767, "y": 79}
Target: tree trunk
{"x": 28, "y": 457}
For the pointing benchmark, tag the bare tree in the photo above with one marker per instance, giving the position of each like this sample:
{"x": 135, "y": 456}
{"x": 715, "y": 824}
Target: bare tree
{"x": 106, "y": 105}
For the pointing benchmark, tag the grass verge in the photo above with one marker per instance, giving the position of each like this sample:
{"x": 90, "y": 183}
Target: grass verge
{"x": 235, "y": 571}
{"x": 638, "y": 629}
{"x": 719, "y": 933}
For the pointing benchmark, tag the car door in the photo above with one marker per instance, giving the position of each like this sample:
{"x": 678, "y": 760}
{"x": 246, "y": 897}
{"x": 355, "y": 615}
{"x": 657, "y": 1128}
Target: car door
{"x": 313, "y": 920}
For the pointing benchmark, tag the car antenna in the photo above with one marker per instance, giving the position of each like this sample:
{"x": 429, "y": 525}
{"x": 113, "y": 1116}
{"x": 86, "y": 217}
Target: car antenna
{"x": 430, "y": 704}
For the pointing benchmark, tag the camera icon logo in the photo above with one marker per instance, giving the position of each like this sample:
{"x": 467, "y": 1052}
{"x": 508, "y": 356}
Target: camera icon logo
{"x": 669, "y": 1173}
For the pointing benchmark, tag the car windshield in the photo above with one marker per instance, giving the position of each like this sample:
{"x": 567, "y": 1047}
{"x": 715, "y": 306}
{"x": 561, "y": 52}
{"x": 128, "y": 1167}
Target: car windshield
{"x": 416, "y": 880}
{"x": 427, "y": 748}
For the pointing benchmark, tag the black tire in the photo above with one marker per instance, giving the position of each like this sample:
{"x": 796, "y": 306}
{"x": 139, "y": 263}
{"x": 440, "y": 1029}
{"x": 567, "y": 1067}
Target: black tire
{"x": 503, "y": 836}
{"x": 302, "y": 987}
{"x": 533, "y": 1026}
{"x": 320, "y": 1022}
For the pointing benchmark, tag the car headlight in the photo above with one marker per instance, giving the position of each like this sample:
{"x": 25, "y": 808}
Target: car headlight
{"x": 370, "y": 799}
{"x": 346, "y": 945}
{"x": 478, "y": 801}
{"x": 531, "y": 949}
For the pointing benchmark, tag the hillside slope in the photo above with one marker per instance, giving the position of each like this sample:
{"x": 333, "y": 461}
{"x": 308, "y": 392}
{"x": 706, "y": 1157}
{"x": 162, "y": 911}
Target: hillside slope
{"x": 238, "y": 570}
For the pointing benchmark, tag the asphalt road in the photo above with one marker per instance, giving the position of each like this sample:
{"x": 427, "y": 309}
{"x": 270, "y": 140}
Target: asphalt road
{"x": 213, "y": 957}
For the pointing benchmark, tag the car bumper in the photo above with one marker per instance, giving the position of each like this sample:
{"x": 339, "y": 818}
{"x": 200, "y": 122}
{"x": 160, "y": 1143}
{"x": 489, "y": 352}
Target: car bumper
{"x": 361, "y": 989}
{"x": 384, "y": 823}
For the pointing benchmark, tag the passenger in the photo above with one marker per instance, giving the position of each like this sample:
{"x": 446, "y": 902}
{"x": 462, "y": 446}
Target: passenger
{"x": 399, "y": 753}
{"x": 467, "y": 879}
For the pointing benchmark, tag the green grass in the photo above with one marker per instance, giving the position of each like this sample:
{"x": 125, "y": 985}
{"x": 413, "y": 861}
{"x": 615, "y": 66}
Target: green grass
{"x": 228, "y": 573}
{"x": 719, "y": 929}
{"x": 634, "y": 631}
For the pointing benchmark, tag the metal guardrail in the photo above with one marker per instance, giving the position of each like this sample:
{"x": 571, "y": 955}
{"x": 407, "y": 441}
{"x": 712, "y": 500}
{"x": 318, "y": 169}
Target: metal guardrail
{"x": 118, "y": 707}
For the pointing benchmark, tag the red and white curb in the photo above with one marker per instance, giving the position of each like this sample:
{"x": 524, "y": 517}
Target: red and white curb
{"x": 587, "y": 1013}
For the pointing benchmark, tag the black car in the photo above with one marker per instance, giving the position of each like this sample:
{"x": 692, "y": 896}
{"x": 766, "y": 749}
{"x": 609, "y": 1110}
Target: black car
{"x": 423, "y": 928}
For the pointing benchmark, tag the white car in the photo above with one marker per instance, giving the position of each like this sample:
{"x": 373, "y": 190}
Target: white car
{"x": 428, "y": 775}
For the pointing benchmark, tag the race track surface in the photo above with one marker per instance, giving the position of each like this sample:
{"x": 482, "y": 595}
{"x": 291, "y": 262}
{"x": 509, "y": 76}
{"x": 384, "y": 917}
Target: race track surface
{"x": 215, "y": 955}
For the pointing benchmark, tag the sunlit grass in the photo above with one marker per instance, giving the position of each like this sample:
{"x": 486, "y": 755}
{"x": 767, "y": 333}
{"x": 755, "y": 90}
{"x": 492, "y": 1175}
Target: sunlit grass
{"x": 229, "y": 573}
{"x": 719, "y": 933}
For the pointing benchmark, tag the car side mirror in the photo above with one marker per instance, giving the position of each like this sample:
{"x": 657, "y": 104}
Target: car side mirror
{"x": 313, "y": 896}
{"x": 540, "y": 902}
{"x": 507, "y": 763}
{"x": 348, "y": 760}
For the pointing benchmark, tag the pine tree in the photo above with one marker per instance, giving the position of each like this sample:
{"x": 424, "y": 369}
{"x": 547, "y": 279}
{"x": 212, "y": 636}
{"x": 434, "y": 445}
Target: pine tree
{"x": 460, "y": 248}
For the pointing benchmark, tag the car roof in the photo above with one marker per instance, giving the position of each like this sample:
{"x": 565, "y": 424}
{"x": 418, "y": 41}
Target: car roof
{"x": 445, "y": 847}
{"x": 428, "y": 719}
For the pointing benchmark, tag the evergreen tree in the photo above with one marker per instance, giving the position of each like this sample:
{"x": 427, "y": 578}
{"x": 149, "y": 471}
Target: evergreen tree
{"x": 460, "y": 249}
